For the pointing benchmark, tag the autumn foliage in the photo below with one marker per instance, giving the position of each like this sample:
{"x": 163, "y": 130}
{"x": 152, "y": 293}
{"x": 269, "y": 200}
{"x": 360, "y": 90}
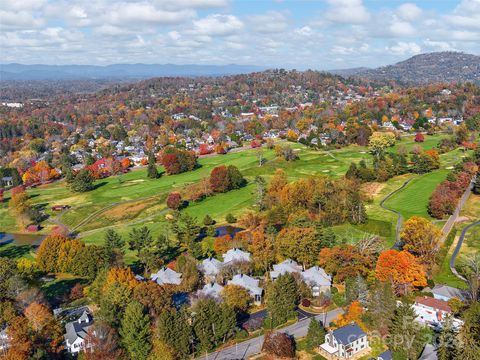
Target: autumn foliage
{"x": 419, "y": 137}
{"x": 174, "y": 200}
{"x": 353, "y": 314}
{"x": 445, "y": 198}
{"x": 402, "y": 269}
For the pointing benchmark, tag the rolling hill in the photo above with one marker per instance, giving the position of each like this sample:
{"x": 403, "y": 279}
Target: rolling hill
{"x": 437, "y": 67}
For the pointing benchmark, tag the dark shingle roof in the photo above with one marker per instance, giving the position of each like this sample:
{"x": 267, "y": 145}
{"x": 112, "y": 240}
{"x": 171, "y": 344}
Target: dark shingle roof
{"x": 387, "y": 355}
{"x": 348, "y": 333}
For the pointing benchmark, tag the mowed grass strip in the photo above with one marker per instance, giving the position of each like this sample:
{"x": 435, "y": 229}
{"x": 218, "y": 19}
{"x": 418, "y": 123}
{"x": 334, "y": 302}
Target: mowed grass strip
{"x": 413, "y": 199}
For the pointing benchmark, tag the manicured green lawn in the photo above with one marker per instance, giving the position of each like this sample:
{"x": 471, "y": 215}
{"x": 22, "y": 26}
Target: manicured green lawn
{"x": 146, "y": 197}
{"x": 413, "y": 199}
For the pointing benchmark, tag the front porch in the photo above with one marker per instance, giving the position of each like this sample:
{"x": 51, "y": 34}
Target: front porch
{"x": 331, "y": 353}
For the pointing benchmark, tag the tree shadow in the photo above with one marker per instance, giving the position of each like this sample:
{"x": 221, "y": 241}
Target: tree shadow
{"x": 56, "y": 291}
{"x": 99, "y": 185}
{"x": 14, "y": 251}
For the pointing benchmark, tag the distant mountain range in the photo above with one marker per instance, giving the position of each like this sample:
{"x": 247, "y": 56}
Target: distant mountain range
{"x": 117, "y": 71}
{"x": 437, "y": 67}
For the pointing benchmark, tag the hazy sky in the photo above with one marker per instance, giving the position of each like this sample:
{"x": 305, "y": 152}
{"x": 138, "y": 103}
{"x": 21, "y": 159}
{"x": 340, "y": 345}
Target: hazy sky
{"x": 293, "y": 34}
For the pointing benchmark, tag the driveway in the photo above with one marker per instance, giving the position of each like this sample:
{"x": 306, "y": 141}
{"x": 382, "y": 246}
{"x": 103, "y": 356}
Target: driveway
{"x": 253, "y": 346}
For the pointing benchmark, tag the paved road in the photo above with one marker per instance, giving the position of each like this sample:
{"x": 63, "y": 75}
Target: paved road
{"x": 253, "y": 346}
{"x": 398, "y": 228}
{"x": 453, "y": 218}
{"x": 457, "y": 249}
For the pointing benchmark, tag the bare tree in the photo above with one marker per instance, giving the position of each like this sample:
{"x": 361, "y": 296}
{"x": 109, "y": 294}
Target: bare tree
{"x": 370, "y": 244}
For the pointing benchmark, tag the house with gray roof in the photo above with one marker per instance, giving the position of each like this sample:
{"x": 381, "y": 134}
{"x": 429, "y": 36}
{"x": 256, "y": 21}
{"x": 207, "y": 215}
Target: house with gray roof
{"x": 286, "y": 266}
{"x": 445, "y": 293}
{"x": 76, "y": 332}
{"x": 250, "y": 284}
{"x": 317, "y": 279}
{"x": 386, "y": 355}
{"x": 167, "y": 276}
{"x": 210, "y": 267}
{"x": 236, "y": 255}
{"x": 212, "y": 290}
{"x": 349, "y": 341}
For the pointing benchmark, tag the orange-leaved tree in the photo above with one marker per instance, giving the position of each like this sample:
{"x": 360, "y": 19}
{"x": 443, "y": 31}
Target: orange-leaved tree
{"x": 402, "y": 269}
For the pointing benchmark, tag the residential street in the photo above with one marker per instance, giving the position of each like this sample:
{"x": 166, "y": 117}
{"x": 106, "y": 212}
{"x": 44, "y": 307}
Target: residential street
{"x": 253, "y": 346}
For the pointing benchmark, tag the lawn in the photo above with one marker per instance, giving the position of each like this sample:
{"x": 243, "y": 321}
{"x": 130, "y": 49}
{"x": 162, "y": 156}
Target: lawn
{"x": 413, "y": 199}
{"x": 131, "y": 200}
{"x": 470, "y": 245}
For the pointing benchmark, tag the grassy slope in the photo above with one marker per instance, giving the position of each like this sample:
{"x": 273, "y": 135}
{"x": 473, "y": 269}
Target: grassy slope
{"x": 135, "y": 185}
{"x": 413, "y": 199}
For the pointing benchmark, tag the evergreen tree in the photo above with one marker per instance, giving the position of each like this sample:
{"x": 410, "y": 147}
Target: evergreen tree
{"x": 381, "y": 306}
{"x": 235, "y": 177}
{"x": 405, "y": 333}
{"x": 113, "y": 242}
{"x": 469, "y": 335}
{"x": 69, "y": 175}
{"x": 135, "y": 331}
{"x": 139, "y": 239}
{"x": 282, "y": 300}
{"x": 174, "y": 329}
{"x": 476, "y": 186}
{"x": 447, "y": 340}
{"x": 83, "y": 182}
{"x": 208, "y": 221}
{"x": 213, "y": 323}
{"x": 352, "y": 172}
{"x": 315, "y": 335}
{"x": 152, "y": 171}
{"x": 326, "y": 236}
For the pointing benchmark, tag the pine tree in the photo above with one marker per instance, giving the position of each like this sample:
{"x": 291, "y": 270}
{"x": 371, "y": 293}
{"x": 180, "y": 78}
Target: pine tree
{"x": 173, "y": 328}
{"x": 83, "y": 182}
{"x": 476, "y": 187}
{"x": 140, "y": 239}
{"x": 282, "y": 299}
{"x": 469, "y": 335}
{"x": 447, "y": 340}
{"x": 135, "y": 331}
{"x": 152, "y": 171}
{"x": 315, "y": 335}
{"x": 352, "y": 172}
{"x": 213, "y": 323}
{"x": 405, "y": 333}
{"x": 113, "y": 241}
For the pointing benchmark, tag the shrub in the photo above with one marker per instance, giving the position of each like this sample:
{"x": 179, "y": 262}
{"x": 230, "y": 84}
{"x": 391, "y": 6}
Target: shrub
{"x": 279, "y": 345}
{"x": 174, "y": 200}
{"x": 207, "y": 220}
{"x": 230, "y": 218}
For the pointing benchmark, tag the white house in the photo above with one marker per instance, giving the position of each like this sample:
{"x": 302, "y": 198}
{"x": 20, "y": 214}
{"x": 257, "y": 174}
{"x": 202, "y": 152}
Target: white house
{"x": 346, "y": 342}
{"x": 210, "y": 267}
{"x": 317, "y": 279}
{"x": 212, "y": 290}
{"x": 432, "y": 312}
{"x": 445, "y": 293}
{"x": 249, "y": 283}
{"x": 167, "y": 276}
{"x": 236, "y": 255}
{"x": 286, "y": 266}
{"x": 76, "y": 332}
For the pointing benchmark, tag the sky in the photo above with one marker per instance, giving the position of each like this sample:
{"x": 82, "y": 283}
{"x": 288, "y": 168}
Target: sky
{"x": 315, "y": 34}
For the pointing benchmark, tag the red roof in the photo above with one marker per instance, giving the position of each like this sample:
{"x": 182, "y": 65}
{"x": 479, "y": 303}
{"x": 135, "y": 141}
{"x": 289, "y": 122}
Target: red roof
{"x": 433, "y": 303}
